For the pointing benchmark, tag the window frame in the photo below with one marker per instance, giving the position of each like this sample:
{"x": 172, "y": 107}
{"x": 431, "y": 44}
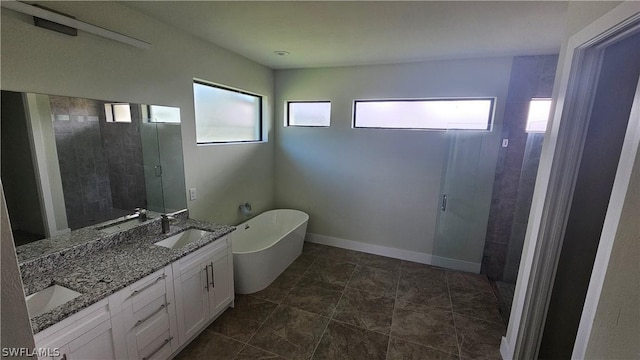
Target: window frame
{"x": 287, "y": 120}
{"x": 490, "y": 120}
{"x": 262, "y": 137}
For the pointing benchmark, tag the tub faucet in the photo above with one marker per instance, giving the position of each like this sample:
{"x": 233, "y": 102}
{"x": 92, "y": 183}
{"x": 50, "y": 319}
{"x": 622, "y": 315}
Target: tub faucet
{"x": 166, "y": 222}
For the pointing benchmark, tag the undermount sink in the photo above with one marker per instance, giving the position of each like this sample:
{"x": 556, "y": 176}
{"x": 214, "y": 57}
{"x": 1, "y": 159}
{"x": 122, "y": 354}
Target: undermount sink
{"x": 119, "y": 226}
{"x": 182, "y": 239}
{"x": 48, "y": 299}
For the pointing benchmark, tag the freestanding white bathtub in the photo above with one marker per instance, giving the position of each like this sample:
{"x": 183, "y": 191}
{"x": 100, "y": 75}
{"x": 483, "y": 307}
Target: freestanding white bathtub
{"x": 263, "y": 247}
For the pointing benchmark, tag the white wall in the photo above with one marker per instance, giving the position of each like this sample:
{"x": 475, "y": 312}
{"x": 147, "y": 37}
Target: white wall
{"x": 42, "y": 61}
{"x": 615, "y": 333}
{"x": 373, "y": 186}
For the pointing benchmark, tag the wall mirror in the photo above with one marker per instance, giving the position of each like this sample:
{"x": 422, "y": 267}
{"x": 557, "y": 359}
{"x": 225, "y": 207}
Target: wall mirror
{"x": 69, "y": 162}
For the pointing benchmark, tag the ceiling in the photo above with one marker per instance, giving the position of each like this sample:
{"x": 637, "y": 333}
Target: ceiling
{"x": 341, "y": 33}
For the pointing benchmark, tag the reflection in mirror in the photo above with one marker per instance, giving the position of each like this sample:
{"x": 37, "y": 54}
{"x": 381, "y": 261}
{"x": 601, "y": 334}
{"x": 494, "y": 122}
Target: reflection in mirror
{"x": 71, "y": 162}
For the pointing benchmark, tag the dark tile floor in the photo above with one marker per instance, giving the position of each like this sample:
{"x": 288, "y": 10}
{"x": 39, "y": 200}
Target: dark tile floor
{"x": 333, "y": 303}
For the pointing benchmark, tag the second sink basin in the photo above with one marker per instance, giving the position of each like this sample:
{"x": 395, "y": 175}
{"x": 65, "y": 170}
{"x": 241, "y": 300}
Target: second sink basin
{"x": 182, "y": 239}
{"x": 48, "y": 299}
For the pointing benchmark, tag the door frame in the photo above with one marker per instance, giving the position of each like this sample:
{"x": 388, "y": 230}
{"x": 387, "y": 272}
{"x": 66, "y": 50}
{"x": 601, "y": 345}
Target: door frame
{"x": 556, "y": 179}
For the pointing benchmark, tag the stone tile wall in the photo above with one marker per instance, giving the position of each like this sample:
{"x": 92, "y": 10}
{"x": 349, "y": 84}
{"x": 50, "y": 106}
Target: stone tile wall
{"x": 531, "y": 76}
{"x": 123, "y": 148}
{"x": 83, "y": 163}
{"x": 100, "y": 163}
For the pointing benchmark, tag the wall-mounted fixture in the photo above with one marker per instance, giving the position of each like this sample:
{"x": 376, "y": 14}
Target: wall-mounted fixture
{"x": 245, "y": 209}
{"x": 70, "y": 22}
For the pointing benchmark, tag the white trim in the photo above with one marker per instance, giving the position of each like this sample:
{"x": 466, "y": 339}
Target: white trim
{"x": 614, "y": 212}
{"x": 394, "y": 253}
{"x": 369, "y": 248}
{"x": 505, "y": 349}
{"x": 73, "y": 23}
{"x": 556, "y": 180}
{"x": 47, "y": 173}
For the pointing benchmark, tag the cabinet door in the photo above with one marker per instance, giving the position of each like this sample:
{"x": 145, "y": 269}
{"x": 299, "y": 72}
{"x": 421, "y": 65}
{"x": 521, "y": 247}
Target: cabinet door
{"x": 222, "y": 285}
{"x": 192, "y": 303}
{"x": 97, "y": 343}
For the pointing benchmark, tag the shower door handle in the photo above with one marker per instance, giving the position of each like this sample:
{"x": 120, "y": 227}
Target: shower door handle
{"x": 444, "y": 202}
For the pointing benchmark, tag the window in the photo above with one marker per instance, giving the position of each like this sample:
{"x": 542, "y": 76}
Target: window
{"x": 226, "y": 115}
{"x": 164, "y": 114}
{"x": 308, "y": 113}
{"x": 538, "y": 115}
{"x": 117, "y": 112}
{"x": 427, "y": 114}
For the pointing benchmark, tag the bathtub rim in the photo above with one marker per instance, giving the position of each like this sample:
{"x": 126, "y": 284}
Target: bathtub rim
{"x": 306, "y": 219}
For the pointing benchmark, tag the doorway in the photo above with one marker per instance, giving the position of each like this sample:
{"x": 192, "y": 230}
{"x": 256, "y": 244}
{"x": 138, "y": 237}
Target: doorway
{"x": 592, "y": 132}
{"x": 608, "y": 123}
{"x": 18, "y": 172}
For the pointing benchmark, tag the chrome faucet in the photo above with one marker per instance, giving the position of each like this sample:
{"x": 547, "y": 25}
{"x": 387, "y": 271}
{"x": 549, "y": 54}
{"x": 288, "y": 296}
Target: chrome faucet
{"x": 166, "y": 222}
{"x": 139, "y": 213}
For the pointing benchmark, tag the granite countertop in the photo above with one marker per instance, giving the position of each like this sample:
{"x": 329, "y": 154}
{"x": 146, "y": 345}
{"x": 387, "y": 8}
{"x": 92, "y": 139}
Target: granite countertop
{"x": 99, "y": 267}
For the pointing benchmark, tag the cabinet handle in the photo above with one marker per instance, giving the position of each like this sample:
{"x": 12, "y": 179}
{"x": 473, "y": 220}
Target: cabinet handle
{"x": 206, "y": 271}
{"x": 213, "y": 281}
{"x": 150, "y": 316}
{"x": 166, "y": 341}
{"x": 136, "y": 292}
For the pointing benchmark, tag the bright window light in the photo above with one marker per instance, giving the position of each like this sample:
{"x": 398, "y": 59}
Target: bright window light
{"x": 164, "y": 114}
{"x": 117, "y": 112}
{"x": 226, "y": 115}
{"x": 428, "y": 114}
{"x": 308, "y": 113}
{"x": 538, "y": 115}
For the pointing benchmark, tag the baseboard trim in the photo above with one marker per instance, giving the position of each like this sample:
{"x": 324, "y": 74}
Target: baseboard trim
{"x": 505, "y": 349}
{"x": 393, "y": 252}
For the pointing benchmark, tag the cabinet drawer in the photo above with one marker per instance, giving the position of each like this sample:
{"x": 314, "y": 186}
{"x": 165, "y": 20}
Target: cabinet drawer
{"x": 158, "y": 348}
{"x": 146, "y": 289}
{"x": 74, "y": 326}
{"x": 148, "y": 312}
{"x": 146, "y": 334}
{"x": 142, "y": 292}
{"x": 96, "y": 343}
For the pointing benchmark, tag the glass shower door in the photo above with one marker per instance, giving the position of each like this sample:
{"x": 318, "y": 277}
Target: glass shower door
{"x": 465, "y": 201}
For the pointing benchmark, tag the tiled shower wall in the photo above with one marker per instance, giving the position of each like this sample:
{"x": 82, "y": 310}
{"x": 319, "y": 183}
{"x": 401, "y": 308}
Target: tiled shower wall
{"x": 83, "y": 163}
{"x": 531, "y": 77}
{"x": 123, "y": 148}
{"x": 100, "y": 164}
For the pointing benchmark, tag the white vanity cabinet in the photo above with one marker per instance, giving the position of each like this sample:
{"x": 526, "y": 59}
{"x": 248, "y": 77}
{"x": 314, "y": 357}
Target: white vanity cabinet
{"x": 203, "y": 286}
{"x": 152, "y": 318}
{"x": 83, "y": 336}
{"x": 144, "y": 315}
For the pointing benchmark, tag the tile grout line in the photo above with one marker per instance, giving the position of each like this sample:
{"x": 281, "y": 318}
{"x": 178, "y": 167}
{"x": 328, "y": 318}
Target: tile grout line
{"x": 395, "y": 300}
{"x": 453, "y": 315}
{"x": 274, "y": 309}
{"x": 333, "y": 313}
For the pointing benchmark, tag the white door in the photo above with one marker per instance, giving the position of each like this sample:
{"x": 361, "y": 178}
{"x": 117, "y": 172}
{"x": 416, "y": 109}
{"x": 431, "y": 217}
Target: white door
{"x": 96, "y": 343}
{"x": 192, "y": 300}
{"x": 222, "y": 290}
